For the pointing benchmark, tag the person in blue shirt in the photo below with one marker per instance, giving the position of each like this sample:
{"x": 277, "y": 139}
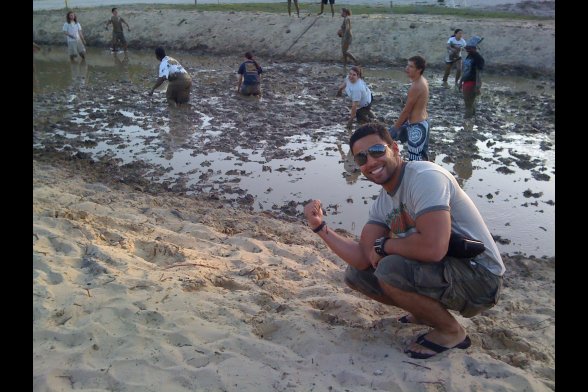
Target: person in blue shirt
{"x": 249, "y": 77}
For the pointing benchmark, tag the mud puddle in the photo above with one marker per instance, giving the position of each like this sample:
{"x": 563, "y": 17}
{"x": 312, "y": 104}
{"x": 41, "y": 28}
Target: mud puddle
{"x": 275, "y": 154}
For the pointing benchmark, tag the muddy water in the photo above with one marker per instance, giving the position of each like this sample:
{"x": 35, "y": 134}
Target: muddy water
{"x": 275, "y": 154}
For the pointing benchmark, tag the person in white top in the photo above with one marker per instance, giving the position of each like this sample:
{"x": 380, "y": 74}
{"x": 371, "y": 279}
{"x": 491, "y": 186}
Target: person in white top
{"x": 75, "y": 39}
{"x": 455, "y": 44}
{"x": 359, "y": 93}
{"x": 180, "y": 82}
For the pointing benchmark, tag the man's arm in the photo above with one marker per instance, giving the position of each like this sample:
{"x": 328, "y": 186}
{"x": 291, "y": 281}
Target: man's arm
{"x": 354, "y": 106}
{"x": 350, "y": 251}
{"x": 414, "y": 93}
{"x": 125, "y": 22}
{"x": 158, "y": 83}
{"x": 429, "y": 243}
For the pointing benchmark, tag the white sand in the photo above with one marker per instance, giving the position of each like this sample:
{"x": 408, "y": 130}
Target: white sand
{"x": 134, "y": 292}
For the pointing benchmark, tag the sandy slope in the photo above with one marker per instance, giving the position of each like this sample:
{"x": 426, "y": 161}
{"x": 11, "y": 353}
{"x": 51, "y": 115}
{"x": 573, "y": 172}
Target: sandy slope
{"x": 135, "y": 292}
{"x": 508, "y": 44}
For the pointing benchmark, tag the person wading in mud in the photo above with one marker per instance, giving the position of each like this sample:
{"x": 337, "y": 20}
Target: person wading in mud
{"x": 413, "y": 252}
{"x": 249, "y": 77}
{"x": 180, "y": 82}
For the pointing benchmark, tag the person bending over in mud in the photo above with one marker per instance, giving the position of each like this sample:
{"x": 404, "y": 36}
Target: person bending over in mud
{"x": 180, "y": 82}
{"x": 360, "y": 94}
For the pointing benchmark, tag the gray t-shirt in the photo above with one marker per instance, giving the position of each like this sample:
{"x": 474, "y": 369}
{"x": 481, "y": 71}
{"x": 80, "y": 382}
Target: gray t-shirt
{"x": 424, "y": 187}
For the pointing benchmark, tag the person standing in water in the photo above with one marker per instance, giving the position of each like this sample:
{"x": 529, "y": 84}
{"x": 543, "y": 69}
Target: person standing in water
{"x": 75, "y": 39}
{"x": 117, "y": 30}
{"x": 471, "y": 78}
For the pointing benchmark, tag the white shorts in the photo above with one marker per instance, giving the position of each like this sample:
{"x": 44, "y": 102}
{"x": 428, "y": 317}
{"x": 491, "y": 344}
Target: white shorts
{"x": 75, "y": 47}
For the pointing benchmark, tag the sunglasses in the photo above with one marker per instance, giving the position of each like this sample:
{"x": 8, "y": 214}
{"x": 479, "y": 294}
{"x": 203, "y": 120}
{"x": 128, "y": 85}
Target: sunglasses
{"x": 375, "y": 151}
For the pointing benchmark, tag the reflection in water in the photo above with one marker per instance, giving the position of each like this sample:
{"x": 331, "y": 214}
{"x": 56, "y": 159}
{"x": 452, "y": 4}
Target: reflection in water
{"x": 463, "y": 168}
{"x": 180, "y": 130}
{"x": 122, "y": 67}
{"x": 352, "y": 172}
{"x": 79, "y": 73}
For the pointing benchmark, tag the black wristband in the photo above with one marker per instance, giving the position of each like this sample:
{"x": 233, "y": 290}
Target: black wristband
{"x": 320, "y": 227}
{"x": 379, "y": 246}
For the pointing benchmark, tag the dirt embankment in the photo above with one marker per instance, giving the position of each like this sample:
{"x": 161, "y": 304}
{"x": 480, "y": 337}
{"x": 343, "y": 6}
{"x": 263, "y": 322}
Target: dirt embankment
{"x": 509, "y": 45}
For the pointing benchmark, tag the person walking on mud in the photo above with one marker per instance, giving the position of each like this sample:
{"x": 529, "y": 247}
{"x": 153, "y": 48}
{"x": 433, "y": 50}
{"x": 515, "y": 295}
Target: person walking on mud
{"x": 455, "y": 44}
{"x": 249, "y": 77}
{"x": 75, "y": 39}
{"x": 179, "y": 80}
{"x": 332, "y": 3}
{"x": 411, "y": 252}
{"x": 471, "y": 76}
{"x": 118, "y": 35}
{"x": 290, "y": 8}
{"x": 360, "y": 94}
{"x": 346, "y": 37}
{"x": 412, "y": 125}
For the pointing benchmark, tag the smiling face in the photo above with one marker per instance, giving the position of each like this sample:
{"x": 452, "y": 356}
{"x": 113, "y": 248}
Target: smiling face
{"x": 353, "y": 76}
{"x": 458, "y": 35}
{"x": 380, "y": 170}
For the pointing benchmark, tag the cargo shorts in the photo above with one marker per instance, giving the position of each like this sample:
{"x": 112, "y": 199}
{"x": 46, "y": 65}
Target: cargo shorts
{"x": 462, "y": 285}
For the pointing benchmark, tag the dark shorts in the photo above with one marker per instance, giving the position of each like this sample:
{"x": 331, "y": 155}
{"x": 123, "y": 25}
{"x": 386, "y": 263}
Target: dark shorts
{"x": 118, "y": 36}
{"x": 459, "y": 284}
{"x": 251, "y": 89}
{"x": 330, "y": 1}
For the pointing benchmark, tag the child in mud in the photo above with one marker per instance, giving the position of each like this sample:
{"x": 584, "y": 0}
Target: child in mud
{"x": 180, "y": 82}
{"x": 117, "y": 30}
{"x": 249, "y": 77}
{"x": 361, "y": 96}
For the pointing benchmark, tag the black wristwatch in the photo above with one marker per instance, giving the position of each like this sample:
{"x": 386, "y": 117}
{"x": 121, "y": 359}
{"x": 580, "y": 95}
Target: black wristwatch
{"x": 379, "y": 246}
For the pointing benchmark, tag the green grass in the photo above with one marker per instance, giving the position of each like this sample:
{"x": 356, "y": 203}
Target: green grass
{"x": 314, "y": 7}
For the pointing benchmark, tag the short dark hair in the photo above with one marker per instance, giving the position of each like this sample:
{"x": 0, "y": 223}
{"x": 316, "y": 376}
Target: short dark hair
{"x": 248, "y": 55}
{"x": 456, "y": 31}
{"x": 419, "y": 63}
{"x": 114, "y": 9}
{"x": 159, "y": 52}
{"x": 370, "y": 129}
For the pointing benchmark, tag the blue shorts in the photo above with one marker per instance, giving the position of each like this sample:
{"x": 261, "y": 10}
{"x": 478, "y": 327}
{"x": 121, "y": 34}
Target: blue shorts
{"x": 417, "y": 136}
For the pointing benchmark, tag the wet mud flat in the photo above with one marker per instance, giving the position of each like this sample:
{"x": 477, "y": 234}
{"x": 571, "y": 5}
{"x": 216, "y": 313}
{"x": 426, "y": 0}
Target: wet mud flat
{"x": 241, "y": 151}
